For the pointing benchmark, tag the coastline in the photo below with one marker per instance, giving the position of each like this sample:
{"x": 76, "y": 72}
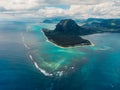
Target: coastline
{"x": 47, "y": 40}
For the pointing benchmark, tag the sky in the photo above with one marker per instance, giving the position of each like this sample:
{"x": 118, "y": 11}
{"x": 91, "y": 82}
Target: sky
{"x": 59, "y": 8}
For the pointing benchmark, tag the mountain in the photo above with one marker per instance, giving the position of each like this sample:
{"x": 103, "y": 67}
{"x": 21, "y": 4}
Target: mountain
{"x": 57, "y": 19}
{"x": 68, "y": 26}
{"x": 111, "y": 23}
{"x": 90, "y": 20}
{"x": 66, "y": 34}
{"x": 103, "y": 25}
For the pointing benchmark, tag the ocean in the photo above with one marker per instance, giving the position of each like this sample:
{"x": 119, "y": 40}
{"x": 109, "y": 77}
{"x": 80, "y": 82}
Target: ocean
{"x": 29, "y": 62}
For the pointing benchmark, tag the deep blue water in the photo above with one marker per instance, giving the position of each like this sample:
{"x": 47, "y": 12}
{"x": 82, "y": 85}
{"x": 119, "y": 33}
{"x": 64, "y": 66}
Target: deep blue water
{"x": 29, "y": 62}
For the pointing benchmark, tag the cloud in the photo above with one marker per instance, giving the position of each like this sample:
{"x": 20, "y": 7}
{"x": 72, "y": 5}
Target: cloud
{"x": 100, "y": 10}
{"x": 18, "y": 4}
{"x": 75, "y": 2}
{"x": 53, "y": 8}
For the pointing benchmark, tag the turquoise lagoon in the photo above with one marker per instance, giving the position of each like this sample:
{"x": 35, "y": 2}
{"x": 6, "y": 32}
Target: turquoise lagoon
{"x": 29, "y": 62}
{"x": 59, "y": 61}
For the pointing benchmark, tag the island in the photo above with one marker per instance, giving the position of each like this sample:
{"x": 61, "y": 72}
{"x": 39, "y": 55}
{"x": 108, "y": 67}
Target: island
{"x": 66, "y": 34}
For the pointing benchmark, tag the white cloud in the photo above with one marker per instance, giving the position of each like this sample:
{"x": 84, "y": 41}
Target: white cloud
{"x": 78, "y": 8}
{"x": 100, "y": 10}
{"x": 76, "y": 2}
{"x": 51, "y": 11}
{"x": 18, "y": 4}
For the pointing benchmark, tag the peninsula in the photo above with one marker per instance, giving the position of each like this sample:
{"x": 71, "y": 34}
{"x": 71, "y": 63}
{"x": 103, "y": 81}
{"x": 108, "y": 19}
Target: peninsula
{"x": 66, "y": 34}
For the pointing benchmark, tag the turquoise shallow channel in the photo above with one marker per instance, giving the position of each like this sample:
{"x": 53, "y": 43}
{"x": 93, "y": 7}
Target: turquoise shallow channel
{"x": 53, "y": 60}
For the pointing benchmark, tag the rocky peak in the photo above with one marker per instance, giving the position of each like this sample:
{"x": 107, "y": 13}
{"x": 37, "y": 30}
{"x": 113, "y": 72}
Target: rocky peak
{"x": 67, "y": 25}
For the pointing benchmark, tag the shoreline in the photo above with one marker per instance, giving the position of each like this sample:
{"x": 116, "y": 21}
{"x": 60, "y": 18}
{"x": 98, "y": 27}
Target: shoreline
{"x": 47, "y": 40}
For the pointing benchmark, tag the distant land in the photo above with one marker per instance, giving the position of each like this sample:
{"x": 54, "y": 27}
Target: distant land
{"x": 66, "y": 34}
{"x": 92, "y": 25}
{"x": 102, "y": 25}
{"x": 58, "y": 19}
{"x": 53, "y": 20}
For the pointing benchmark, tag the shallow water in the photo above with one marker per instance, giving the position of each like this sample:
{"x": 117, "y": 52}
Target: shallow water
{"x": 29, "y": 62}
